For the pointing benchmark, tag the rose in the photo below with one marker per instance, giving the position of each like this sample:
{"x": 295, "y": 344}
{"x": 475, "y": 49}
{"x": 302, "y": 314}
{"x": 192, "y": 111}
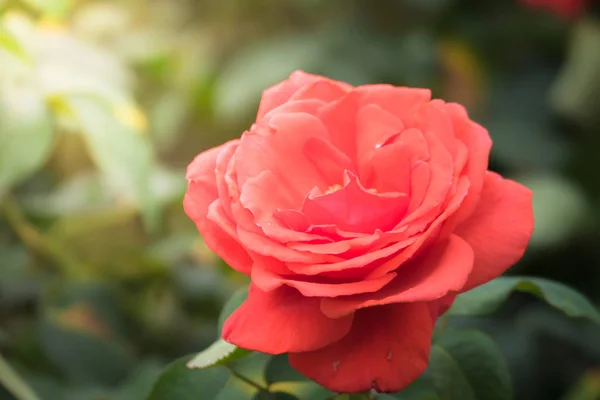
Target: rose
{"x": 359, "y": 214}
{"x": 565, "y": 8}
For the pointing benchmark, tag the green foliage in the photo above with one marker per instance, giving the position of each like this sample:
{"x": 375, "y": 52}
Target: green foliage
{"x": 128, "y": 166}
{"x": 14, "y": 383}
{"x": 179, "y": 382}
{"x": 220, "y": 352}
{"x": 10, "y": 44}
{"x": 26, "y": 135}
{"x": 468, "y": 365}
{"x": 279, "y": 370}
{"x": 489, "y": 297}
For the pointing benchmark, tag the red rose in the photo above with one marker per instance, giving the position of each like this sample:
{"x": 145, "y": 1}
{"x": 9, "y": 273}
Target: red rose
{"x": 565, "y": 8}
{"x": 359, "y": 213}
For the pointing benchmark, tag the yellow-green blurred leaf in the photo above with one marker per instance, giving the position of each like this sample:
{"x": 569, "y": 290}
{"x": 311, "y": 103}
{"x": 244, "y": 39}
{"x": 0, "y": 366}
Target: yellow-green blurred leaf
{"x": 13, "y": 382}
{"x": 123, "y": 155}
{"x": 26, "y": 134}
{"x": 10, "y": 44}
{"x": 576, "y": 89}
{"x": 52, "y": 8}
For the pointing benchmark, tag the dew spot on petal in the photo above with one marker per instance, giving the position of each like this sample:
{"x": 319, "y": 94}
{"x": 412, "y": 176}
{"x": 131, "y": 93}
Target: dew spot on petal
{"x": 335, "y": 366}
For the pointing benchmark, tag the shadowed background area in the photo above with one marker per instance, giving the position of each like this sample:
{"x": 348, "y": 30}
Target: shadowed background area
{"x": 104, "y": 280}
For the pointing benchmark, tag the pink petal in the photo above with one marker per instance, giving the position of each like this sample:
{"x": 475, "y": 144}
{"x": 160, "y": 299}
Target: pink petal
{"x": 399, "y": 101}
{"x": 441, "y": 269}
{"x": 386, "y": 349}
{"x": 352, "y": 208}
{"x": 430, "y": 232}
{"x": 478, "y": 143}
{"x": 280, "y": 93}
{"x": 281, "y": 153}
{"x": 499, "y": 229}
{"x": 201, "y": 193}
{"x": 282, "y": 321}
{"x": 264, "y": 278}
{"x": 326, "y": 90}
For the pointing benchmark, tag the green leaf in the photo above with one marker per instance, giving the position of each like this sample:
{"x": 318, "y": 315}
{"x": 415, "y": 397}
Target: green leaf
{"x": 218, "y": 353}
{"x": 10, "y": 44}
{"x": 467, "y": 365}
{"x": 279, "y": 370}
{"x": 14, "y": 384}
{"x": 421, "y": 389}
{"x": 84, "y": 357}
{"x": 122, "y": 154}
{"x": 274, "y": 396}
{"x": 235, "y": 389}
{"x": 232, "y": 304}
{"x": 53, "y": 8}
{"x": 178, "y": 382}
{"x": 578, "y": 83}
{"x": 488, "y": 298}
{"x": 26, "y": 135}
{"x": 139, "y": 384}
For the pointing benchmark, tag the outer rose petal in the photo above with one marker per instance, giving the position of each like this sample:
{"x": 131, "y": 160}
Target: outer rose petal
{"x": 499, "y": 229}
{"x": 280, "y": 93}
{"x": 441, "y": 269}
{"x": 267, "y": 280}
{"x": 386, "y": 349}
{"x": 307, "y": 86}
{"x": 281, "y": 152}
{"x": 282, "y": 321}
{"x": 400, "y": 101}
{"x": 478, "y": 143}
{"x": 201, "y": 193}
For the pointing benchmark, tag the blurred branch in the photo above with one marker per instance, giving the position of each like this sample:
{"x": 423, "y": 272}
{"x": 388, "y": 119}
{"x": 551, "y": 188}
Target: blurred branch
{"x": 250, "y": 382}
{"x": 13, "y": 382}
{"x": 37, "y": 242}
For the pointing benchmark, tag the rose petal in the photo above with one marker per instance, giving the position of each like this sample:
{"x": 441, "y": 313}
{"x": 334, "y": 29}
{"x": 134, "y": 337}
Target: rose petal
{"x": 388, "y": 169}
{"x": 281, "y": 153}
{"x": 344, "y": 266}
{"x": 327, "y": 159}
{"x": 265, "y": 246}
{"x": 326, "y": 90}
{"x": 478, "y": 143}
{"x": 419, "y": 183}
{"x": 399, "y": 101}
{"x": 337, "y": 118}
{"x": 442, "y": 268}
{"x": 340, "y": 246}
{"x": 499, "y": 229}
{"x": 264, "y": 194}
{"x": 386, "y": 349}
{"x": 282, "y": 321}
{"x": 300, "y": 106}
{"x": 441, "y": 168}
{"x": 431, "y": 119}
{"x": 430, "y": 232}
{"x": 374, "y": 127}
{"x": 267, "y": 280}
{"x": 228, "y": 190}
{"x": 201, "y": 193}
{"x": 352, "y": 208}
{"x": 280, "y": 93}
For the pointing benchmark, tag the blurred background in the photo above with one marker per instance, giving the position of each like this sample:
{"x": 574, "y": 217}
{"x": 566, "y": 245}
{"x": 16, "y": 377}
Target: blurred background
{"x": 104, "y": 280}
